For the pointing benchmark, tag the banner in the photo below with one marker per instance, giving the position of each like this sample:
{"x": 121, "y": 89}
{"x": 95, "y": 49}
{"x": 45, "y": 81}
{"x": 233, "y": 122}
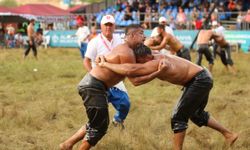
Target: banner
{"x": 68, "y": 38}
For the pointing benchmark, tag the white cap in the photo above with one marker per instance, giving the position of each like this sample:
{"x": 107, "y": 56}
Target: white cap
{"x": 108, "y": 19}
{"x": 214, "y": 23}
{"x": 162, "y": 19}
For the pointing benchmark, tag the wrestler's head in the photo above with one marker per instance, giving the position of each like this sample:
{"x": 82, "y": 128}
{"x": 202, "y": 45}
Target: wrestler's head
{"x": 160, "y": 28}
{"x": 134, "y": 35}
{"x": 143, "y": 53}
{"x": 157, "y": 39}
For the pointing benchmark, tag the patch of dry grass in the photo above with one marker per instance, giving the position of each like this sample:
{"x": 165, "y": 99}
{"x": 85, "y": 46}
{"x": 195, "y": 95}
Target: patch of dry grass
{"x": 38, "y": 110}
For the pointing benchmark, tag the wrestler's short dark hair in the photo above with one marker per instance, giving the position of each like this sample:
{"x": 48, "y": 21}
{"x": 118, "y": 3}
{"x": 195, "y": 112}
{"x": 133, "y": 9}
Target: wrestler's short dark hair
{"x": 142, "y": 50}
{"x": 161, "y": 26}
{"x": 132, "y": 28}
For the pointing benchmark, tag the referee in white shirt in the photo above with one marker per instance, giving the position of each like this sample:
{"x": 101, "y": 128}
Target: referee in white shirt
{"x": 101, "y": 45}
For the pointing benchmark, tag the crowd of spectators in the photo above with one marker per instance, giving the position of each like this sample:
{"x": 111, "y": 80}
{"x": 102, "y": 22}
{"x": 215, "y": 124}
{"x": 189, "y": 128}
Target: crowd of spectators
{"x": 15, "y": 35}
{"x": 181, "y": 14}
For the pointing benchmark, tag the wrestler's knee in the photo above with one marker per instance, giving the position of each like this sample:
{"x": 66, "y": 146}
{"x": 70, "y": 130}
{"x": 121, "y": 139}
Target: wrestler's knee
{"x": 93, "y": 135}
{"x": 178, "y": 125}
{"x": 200, "y": 119}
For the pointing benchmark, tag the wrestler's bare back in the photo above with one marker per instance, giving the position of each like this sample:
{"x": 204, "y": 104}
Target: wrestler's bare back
{"x": 120, "y": 54}
{"x": 178, "y": 71}
{"x": 204, "y": 36}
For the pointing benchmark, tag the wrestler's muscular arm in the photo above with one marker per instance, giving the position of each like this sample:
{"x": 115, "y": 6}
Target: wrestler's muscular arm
{"x": 131, "y": 70}
{"x": 162, "y": 45}
{"x": 147, "y": 78}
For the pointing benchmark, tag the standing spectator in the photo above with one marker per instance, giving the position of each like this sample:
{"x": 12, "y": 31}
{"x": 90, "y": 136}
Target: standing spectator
{"x": 82, "y": 35}
{"x": 181, "y": 19}
{"x": 93, "y": 33}
{"x": 31, "y": 39}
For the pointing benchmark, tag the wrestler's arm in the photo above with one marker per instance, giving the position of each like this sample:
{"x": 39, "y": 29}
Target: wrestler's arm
{"x": 144, "y": 79}
{"x": 132, "y": 70}
{"x": 161, "y": 46}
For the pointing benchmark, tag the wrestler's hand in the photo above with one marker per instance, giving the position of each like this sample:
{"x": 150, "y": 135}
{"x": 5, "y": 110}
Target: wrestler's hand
{"x": 100, "y": 60}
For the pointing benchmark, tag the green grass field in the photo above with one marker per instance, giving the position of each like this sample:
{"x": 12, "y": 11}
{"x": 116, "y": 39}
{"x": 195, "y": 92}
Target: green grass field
{"x": 40, "y": 109}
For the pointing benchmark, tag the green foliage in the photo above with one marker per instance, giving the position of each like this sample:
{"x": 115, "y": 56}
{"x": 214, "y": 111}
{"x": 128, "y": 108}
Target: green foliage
{"x": 8, "y": 3}
{"x": 41, "y": 108}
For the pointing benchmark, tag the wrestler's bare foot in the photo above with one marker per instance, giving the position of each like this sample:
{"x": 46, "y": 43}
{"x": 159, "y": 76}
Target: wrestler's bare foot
{"x": 231, "y": 138}
{"x": 65, "y": 146}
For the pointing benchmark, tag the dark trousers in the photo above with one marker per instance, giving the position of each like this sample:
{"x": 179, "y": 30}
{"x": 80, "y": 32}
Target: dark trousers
{"x": 33, "y": 47}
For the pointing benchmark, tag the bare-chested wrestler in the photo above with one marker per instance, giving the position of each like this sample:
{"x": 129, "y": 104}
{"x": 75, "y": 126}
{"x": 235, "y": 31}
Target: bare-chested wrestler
{"x": 197, "y": 83}
{"x": 174, "y": 44}
{"x": 224, "y": 52}
{"x": 31, "y": 40}
{"x": 203, "y": 47}
{"x": 93, "y": 87}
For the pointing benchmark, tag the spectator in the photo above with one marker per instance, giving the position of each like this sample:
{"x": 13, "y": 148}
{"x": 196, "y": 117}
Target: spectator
{"x": 118, "y": 5}
{"x": 247, "y": 16}
{"x": 128, "y": 13}
{"x": 142, "y": 10}
{"x": 231, "y": 5}
{"x": 181, "y": 19}
{"x": 10, "y": 29}
{"x": 239, "y": 21}
{"x": 194, "y": 16}
{"x": 19, "y": 40}
{"x": 135, "y": 5}
{"x": 93, "y": 33}
{"x": 172, "y": 23}
{"x": 147, "y": 19}
{"x": 82, "y": 34}
{"x": 38, "y": 38}
{"x": 168, "y": 15}
{"x": 2, "y": 38}
{"x": 198, "y": 24}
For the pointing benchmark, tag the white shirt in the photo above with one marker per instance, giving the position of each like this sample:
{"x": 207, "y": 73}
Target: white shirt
{"x": 167, "y": 29}
{"x": 82, "y": 34}
{"x": 98, "y": 47}
{"x": 220, "y": 30}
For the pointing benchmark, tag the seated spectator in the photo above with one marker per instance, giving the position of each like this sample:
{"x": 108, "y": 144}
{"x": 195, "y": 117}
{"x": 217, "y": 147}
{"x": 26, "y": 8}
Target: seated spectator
{"x": 19, "y": 41}
{"x": 142, "y": 10}
{"x": 168, "y": 15}
{"x": 128, "y": 13}
{"x": 39, "y": 38}
{"x": 198, "y": 24}
{"x": 2, "y": 38}
{"x": 181, "y": 19}
{"x": 147, "y": 20}
{"x": 172, "y": 23}
{"x": 247, "y": 16}
{"x": 231, "y": 5}
{"x": 10, "y": 40}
